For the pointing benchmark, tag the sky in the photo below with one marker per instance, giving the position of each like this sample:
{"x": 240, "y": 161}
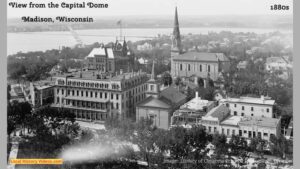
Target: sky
{"x": 157, "y": 8}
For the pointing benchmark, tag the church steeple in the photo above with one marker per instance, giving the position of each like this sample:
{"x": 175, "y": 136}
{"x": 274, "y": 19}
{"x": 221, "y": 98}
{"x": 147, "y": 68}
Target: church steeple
{"x": 152, "y": 85}
{"x": 176, "y": 40}
{"x": 152, "y": 72}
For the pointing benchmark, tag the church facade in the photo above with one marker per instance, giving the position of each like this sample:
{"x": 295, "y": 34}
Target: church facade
{"x": 200, "y": 64}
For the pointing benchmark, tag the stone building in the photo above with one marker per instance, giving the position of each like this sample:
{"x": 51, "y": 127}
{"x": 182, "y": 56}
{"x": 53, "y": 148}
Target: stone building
{"x": 159, "y": 105}
{"x": 250, "y": 106}
{"x": 41, "y": 93}
{"x": 95, "y": 97}
{"x": 114, "y": 58}
{"x": 219, "y": 120}
{"x": 186, "y": 64}
{"x": 191, "y": 112}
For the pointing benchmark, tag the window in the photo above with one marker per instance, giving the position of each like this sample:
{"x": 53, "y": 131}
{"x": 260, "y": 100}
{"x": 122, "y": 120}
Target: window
{"x": 96, "y": 94}
{"x": 265, "y": 134}
{"x": 112, "y": 105}
{"x": 243, "y": 108}
{"x": 234, "y": 105}
{"x": 259, "y": 134}
{"x": 215, "y": 129}
{"x": 180, "y": 66}
{"x": 252, "y": 114}
{"x": 235, "y": 113}
{"x": 68, "y": 92}
{"x": 233, "y": 132}
{"x": 243, "y": 114}
{"x": 62, "y": 91}
{"x": 86, "y": 93}
{"x": 254, "y": 134}
{"x": 208, "y": 68}
{"x": 189, "y": 67}
{"x": 101, "y": 95}
{"x": 251, "y": 108}
{"x": 152, "y": 87}
{"x": 209, "y": 129}
{"x": 117, "y": 105}
{"x": 77, "y": 92}
{"x": 91, "y": 94}
{"x": 117, "y": 96}
{"x": 228, "y": 132}
{"x": 73, "y": 92}
{"x": 240, "y": 132}
{"x": 245, "y": 131}
{"x": 267, "y": 110}
{"x": 105, "y": 95}
{"x": 112, "y": 96}
{"x": 81, "y": 93}
{"x": 222, "y": 131}
{"x": 200, "y": 68}
{"x": 57, "y": 91}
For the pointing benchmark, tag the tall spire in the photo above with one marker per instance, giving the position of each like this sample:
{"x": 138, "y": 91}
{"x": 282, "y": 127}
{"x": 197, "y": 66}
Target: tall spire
{"x": 152, "y": 72}
{"x": 176, "y": 41}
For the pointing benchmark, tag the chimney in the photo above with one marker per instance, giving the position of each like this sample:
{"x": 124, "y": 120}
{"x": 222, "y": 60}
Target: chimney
{"x": 262, "y": 97}
{"x": 196, "y": 80}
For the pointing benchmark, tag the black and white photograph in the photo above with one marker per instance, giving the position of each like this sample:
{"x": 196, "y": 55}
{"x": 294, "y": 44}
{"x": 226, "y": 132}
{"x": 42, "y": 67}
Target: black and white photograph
{"x": 149, "y": 84}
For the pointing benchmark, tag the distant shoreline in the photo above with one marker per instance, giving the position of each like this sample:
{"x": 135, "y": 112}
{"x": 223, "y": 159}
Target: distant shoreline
{"x": 116, "y": 28}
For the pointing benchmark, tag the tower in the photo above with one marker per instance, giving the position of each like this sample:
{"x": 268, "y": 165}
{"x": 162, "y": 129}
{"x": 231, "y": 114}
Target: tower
{"x": 176, "y": 48}
{"x": 152, "y": 85}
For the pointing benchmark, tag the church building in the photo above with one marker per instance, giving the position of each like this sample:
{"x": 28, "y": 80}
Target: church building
{"x": 200, "y": 64}
{"x": 159, "y": 105}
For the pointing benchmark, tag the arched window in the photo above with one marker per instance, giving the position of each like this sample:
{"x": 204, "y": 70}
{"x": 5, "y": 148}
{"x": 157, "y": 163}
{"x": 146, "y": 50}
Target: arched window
{"x": 208, "y": 68}
{"x": 200, "y": 68}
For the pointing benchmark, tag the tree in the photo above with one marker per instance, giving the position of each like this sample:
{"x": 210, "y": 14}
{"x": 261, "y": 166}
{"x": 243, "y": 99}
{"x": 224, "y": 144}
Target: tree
{"x": 8, "y": 92}
{"x": 238, "y": 147}
{"x": 178, "y": 81}
{"x": 221, "y": 147}
{"x": 166, "y": 79}
{"x": 279, "y": 146}
{"x": 178, "y": 143}
{"x": 143, "y": 138}
{"x": 200, "y": 82}
{"x": 198, "y": 140}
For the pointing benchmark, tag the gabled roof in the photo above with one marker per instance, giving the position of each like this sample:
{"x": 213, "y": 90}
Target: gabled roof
{"x": 103, "y": 51}
{"x": 97, "y": 51}
{"x": 173, "y": 95}
{"x": 202, "y": 56}
{"x": 219, "y": 112}
{"x": 154, "y": 102}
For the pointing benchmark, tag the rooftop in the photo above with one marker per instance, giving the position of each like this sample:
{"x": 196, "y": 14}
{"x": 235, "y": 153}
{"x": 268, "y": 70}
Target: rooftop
{"x": 251, "y": 100}
{"x": 196, "y": 104}
{"x": 93, "y": 75}
{"x": 154, "y": 102}
{"x": 231, "y": 120}
{"x": 260, "y": 121}
{"x": 219, "y": 112}
{"x": 172, "y": 94}
{"x": 102, "y": 51}
{"x": 201, "y": 56}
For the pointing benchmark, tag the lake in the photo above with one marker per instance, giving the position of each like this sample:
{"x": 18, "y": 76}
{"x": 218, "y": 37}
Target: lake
{"x": 41, "y": 41}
